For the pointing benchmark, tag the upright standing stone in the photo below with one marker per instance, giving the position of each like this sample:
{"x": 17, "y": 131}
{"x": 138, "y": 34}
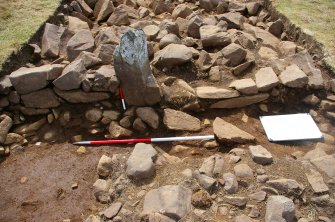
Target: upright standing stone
{"x": 132, "y": 67}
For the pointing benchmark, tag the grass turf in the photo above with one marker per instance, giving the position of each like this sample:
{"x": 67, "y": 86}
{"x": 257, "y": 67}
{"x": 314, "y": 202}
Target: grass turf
{"x": 316, "y": 17}
{"x": 19, "y": 20}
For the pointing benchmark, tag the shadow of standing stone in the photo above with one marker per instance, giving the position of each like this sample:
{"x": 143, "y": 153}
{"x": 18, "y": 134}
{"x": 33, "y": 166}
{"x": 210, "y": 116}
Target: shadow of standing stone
{"x": 132, "y": 67}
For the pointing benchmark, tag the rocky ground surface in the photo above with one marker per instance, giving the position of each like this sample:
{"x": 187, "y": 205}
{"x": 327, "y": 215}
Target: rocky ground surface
{"x": 186, "y": 68}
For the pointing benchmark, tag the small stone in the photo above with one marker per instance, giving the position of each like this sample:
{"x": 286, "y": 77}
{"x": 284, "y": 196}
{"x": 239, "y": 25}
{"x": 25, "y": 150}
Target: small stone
{"x": 258, "y": 196}
{"x": 74, "y": 186}
{"x": 201, "y": 199}
{"x": 149, "y": 116}
{"x": 260, "y": 155}
{"x": 23, "y": 180}
{"x": 231, "y": 185}
{"x": 94, "y": 115}
{"x": 236, "y": 200}
{"x": 105, "y": 166}
{"x": 81, "y": 150}
{"x": 206, "y": 182}
{"x": 112, "y": 210}
{"x": 243, "y": 171}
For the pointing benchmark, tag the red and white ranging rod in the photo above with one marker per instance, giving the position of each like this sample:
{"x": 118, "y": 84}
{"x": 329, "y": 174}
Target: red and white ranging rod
{"x": 145, "y": 140}
{"x": 122, "y": 99}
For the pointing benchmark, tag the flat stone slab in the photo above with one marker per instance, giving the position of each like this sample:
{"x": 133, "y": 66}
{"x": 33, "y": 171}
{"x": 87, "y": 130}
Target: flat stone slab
{"x": 42, "y": 99}
{"x": 79, "y": 96}
{"x": 245, "y": 86}
{"x": 315, "y": 179}
{"x": 177, "y": 120}
{"x": 228, "y": 133}
{"x": 240, "y": 101}
{"x": 172, "y": 200}
{"x": 211, "y": 92}
{"x": 324, "y": 163}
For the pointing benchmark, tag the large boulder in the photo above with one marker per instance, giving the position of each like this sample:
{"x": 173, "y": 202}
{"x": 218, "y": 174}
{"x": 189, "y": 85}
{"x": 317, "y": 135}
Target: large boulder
{"x": 37, "y": 77}
{"x": 228, "y": 133}
{"x": 42, "y": 99}
{"x": 81, "y": 41}
{"x": 173, "y": 201}
{"x": 140, "y": 163}
{"x": 177, "y": 120}
{"x": 72, "y": 76}
{"x": 279, "y": 209}
{"x": 172, "y": 55}
{"x": 132, "y": 68}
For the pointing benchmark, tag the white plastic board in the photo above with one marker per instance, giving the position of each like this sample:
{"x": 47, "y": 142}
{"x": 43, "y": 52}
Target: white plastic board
{"x": 290, "y": 127}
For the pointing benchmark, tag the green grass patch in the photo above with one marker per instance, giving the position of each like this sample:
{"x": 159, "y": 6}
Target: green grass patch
{"x": 317, "y": 16}
{"x": 19, "y": 20}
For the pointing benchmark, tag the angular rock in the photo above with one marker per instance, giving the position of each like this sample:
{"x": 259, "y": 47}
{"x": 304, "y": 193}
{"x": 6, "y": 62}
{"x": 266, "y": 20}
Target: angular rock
{"x": 315, "y": 179}
{"x": 234, "y": 53}
{"x": 161, "y": 6}
{"x": 105, "y": 52}
{"x": 42, "y": 99}
{"x": 287, "y": 48}
{"x": 267, "y": 53}
{"x": 228, "y": 133}
{"x": 177, "y": 120}
{"x": 211, "y": 92}
{"x": 79, "y": 96}
{"x": 179, "y": 94}
{"x": 207, "y": 166}
{"x": 208, "y": 5}
{"x": 140, "y": 163}
{"x": 245, "y": 86}
{"x": 323, "y": 164}
{"x": 279, "y": 209}
{"x": 181, "y": 10}
{"x": 252, "y": 7}
{"x": 116, "y": 131}
{"x": 243, "y": 171}
{"x": 169, "y": 26}
{"x": 260, "y": 155}
{"x": 266, "y": 79}
{"x": 240, "y": 101}
{"x": 81, "y": 41}
{"x": 143, "y": 12}
{"x": 258, "y": 196}
{"x": 213, "y": 36}
{"x": 293, "y": 77}
{"x": 105, "y": 80}
{"x": 173, "y": 201}
{"x": 315, "y": 153}
{"x": 51, "y": 40}
{"x": 132, "y": 66}
{"x": 169, "y": 39}
{"x": 38, "y": 77}
{"x": 266, "y": 37}
{"x": 94, "y": 115}
{"x": 244, "y": 39}
{"x": 236, "y": 201}
{"x": 235, "y": 20}
{"x": 75, "y": 24}
{"x": 5, "y": 124}
{"x": 201, "y": 199}
{"x": 151, "y": 32}
{"x": 193, "y": 27}
{"x": 119, "y": 17}
{"x": 288, "y": 186}
{"x": 89, "y": 59}
{"x": 72, "y": 76}
{"x": 205, "y": 61}
{"x": 105, "y": 166}
{"x": 205, "y": 181}
{"x": 103, "y": 9}
{"x": 100, "y": 189}
{"x": 149, "y": 116}
{"x": 231, "y": 185}
{"x": 172, "y": 55}
{"x": 112, "y": 210}
{"x": 276, "y": 27}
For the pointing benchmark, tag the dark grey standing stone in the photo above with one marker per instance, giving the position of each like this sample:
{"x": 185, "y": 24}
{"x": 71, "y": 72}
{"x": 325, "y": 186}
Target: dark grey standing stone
{"x": 132, "y": 68}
